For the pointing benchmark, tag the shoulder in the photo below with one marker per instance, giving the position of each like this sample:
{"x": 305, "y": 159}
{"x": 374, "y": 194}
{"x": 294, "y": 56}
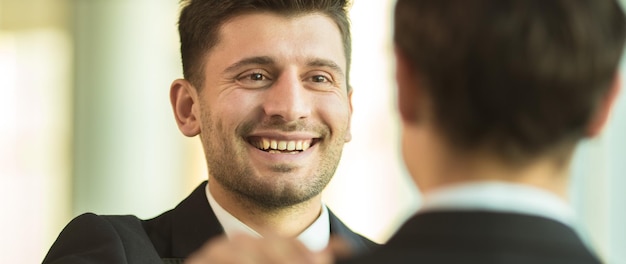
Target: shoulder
{"x": 90, "y": 227}
{"x": 103, "y": 226}
{"x": 90, "y": 238}
{"x": 480, "y": 237}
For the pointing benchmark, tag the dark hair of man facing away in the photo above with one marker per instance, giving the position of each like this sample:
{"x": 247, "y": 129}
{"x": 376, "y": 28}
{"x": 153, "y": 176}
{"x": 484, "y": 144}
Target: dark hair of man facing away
{"x": 200, "y": 22}
{"x": 519, "y": 78}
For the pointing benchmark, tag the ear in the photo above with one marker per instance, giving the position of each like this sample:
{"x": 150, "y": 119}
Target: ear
{"x": 408, "y": 93}
{"x": 348, "y": 136}
{"x": 184, "y": 100}
{"x": 603, "y": 112}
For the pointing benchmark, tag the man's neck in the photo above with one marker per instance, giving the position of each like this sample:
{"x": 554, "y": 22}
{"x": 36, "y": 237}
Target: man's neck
{"x": 542, "y": 173}
{"x": 284, "y": 221}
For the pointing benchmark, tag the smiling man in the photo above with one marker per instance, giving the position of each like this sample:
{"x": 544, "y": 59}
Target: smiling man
{"x": 266, "y": 89}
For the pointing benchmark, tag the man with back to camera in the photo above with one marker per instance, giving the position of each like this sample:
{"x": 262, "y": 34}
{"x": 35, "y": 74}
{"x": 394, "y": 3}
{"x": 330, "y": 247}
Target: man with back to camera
{"x": 266, "y": 88}
{"x": 494, "y": 96}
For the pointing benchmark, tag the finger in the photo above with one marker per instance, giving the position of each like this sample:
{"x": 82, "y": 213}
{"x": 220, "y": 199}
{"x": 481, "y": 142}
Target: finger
{"x": 323, "y": 257}
{"x": 339, "y": 248}
{"x": 286, "y": 250}
{"x": 270, "y": 250}
{"x": 218, "y": 251}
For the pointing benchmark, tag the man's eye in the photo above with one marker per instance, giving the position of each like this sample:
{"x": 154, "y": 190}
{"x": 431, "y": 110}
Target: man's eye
{"x": 319, "y": 78}
{"x": 254, "y": 80}
{"x": 256, "y": 77}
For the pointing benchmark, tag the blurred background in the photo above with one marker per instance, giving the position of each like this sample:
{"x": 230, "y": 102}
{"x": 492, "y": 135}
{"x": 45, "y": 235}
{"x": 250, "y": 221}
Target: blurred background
{"x": 86, "y": 125}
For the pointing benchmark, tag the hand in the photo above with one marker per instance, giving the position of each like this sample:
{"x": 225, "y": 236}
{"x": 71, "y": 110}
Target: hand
{"x": 244, "y": 249}
{"x": 338, "y": 248}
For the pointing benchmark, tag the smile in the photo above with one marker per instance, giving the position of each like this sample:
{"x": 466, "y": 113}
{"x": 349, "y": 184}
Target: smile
{"x": 282, "y": 146}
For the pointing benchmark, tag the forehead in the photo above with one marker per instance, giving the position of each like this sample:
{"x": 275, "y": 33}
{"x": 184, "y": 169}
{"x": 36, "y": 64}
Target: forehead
{"x": 283, "y": 38}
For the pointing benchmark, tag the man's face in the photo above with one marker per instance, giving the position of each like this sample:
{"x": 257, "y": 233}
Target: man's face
{"x": 274, "y": 108}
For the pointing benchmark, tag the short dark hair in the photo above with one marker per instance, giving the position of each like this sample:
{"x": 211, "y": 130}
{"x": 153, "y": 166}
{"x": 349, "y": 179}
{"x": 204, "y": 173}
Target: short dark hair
{"x": 518, "y": 77}
{"x": 201, "y": 20}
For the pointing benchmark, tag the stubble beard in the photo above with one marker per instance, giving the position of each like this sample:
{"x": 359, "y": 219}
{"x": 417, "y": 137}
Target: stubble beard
{"x": 228, "y": 167}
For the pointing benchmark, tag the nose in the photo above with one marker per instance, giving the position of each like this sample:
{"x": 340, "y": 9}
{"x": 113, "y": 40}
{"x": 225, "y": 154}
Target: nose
{"x": 287, "y": 98}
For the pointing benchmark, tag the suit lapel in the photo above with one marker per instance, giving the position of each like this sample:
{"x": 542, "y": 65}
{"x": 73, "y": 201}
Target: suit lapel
{"x": 357, "y": 242}
{"x": 193, "y": 223}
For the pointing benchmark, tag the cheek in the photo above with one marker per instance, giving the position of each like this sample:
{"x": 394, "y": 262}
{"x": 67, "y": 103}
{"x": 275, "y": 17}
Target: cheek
{"x": 237, "y": 105}
{"x": 335, "y": 111}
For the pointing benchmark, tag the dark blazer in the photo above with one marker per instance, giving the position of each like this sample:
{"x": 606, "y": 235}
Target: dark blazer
{"x": 172, "y": 236}
{"x": 481, "y": 237}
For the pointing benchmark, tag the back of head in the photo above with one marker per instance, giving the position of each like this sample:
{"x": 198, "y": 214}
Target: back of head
{"x": 201, "y": 20}
{"x": 518, "y": 77}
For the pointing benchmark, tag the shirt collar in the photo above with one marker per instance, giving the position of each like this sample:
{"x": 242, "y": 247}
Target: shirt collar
{"x": 315, "y": 237}
{"x": 500, "y": 197}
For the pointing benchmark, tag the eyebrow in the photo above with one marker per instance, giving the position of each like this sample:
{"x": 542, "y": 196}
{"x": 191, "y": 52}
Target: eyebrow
{"x": 325, "y": 63}
{"x": 261, "y": 60}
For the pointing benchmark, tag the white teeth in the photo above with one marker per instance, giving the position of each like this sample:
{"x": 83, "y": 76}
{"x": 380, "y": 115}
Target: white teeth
{"x": 275, "y": 146}
{"x": 266, "y": 143}
{"x": 306, "y": 145}
{"x": 282, "y": 145}
{"x": 299, "y": 145}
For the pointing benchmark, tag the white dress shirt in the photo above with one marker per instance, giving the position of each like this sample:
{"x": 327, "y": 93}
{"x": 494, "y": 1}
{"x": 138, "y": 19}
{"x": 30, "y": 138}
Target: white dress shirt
{"x": 500, "y": 197}
{"x": 315, "y": 237}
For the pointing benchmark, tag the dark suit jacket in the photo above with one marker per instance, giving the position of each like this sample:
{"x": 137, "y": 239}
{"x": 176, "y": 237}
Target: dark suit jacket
{"x": 481, "y": 237}
{"x": 173, "y": 235}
